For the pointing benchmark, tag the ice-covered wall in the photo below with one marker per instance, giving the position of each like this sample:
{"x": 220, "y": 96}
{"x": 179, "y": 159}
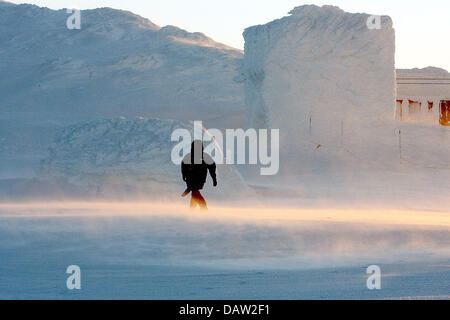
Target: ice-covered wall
{"x": 317, "y": 75}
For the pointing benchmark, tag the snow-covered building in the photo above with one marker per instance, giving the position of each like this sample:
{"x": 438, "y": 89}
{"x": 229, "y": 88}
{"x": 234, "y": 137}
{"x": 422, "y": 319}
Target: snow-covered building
{"x": 423, "y": 96}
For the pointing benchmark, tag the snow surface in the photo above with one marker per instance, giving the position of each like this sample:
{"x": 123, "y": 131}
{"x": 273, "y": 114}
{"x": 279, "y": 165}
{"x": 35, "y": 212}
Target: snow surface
{"x": 122, "y": 158}
{"x": 340, "y": 141}
{"x": 319, "y": 50}
{"x": 328, "y": 83}
{"x": 146, "y": 251}
{"x": 357, "y": 187}
{"x": 317, "y": 74}
{"x": 118, "y": 64}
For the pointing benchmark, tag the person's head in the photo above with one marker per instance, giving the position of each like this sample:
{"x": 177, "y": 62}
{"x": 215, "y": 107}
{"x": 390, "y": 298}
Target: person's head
{"x": 197, "y": 144}
{"x": 197, "y": 151}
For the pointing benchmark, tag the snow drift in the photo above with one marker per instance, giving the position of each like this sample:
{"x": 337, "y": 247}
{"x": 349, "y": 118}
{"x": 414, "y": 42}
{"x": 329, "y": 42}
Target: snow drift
{"x": 118, "y": 64}
{"x": 129, "y": 159}
{"x": 317, "y": 75}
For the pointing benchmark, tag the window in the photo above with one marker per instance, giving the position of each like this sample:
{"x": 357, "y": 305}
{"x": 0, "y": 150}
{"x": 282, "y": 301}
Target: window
{"x": 414, "y": 107}
{"x": 445, "y": 113}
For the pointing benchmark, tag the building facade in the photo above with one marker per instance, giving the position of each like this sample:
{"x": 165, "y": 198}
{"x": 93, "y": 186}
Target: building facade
{"x": 423, "y": 96}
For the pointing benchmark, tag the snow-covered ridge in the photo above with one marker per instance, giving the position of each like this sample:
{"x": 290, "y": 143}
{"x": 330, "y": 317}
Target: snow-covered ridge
{"x": 6, "y": 3}
{"x": 32, "y": 37}
{"x": 196, "y": 38}
{"x": 107, "y": 19}
{"x": 117, "y": 64}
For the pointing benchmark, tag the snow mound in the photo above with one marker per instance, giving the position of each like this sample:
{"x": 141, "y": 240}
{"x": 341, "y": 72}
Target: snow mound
{"x": 120, "y": 156}
{"x": 117, "y": 64}
{"x": 317, "y": 75}
{"x": 192, "y": 73}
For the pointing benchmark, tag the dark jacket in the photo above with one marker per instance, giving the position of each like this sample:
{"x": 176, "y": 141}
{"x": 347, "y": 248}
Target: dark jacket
{"x": 195, "y": 169}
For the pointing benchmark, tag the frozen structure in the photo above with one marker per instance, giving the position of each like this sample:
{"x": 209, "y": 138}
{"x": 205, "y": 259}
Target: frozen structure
{"x": 423, "y": 96}
{"x": 127, "y": 158}
{"x": 321, "y": 76}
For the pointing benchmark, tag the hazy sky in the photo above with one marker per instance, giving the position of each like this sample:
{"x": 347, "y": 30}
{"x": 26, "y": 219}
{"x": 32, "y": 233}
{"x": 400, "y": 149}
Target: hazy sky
{"x": 422, "y": 26}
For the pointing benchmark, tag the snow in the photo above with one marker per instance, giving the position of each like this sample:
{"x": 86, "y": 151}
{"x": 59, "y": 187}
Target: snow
{"x": 429, "y": 72}
{"x": 423, "y": 92}
{"x": 118, "y": 64}
{"x": 328, "y": 83}
{"x": 87, "y": 115}
{"x": 128, "y": 159}
{"x": 150, "y": 251}
{"x": 318, "y": 64}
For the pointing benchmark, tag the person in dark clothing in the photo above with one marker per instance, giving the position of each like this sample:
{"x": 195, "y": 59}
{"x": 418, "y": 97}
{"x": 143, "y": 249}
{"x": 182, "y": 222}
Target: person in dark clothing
{"x": 194, "y": 168}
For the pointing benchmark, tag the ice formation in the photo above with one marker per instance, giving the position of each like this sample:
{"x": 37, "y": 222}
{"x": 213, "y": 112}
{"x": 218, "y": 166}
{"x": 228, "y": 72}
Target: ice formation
{"x": 318, "y": 74}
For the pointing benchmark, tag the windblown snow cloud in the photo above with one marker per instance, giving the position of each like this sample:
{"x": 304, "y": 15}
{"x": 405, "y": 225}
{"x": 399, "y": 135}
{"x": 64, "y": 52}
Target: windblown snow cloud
{"x": 165, "y": 234}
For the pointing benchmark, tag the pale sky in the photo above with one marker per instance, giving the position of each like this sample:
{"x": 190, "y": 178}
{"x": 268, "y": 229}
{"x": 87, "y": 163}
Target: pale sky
{"x": 422, "y": 26}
